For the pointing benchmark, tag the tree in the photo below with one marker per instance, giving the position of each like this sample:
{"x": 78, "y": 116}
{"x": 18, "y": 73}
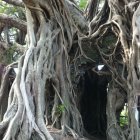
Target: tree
{"x": 64, "y": 49}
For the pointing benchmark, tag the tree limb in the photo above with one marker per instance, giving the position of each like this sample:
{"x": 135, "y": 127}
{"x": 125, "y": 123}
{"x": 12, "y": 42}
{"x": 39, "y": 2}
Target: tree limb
{"x": 14, "y": 2}
{"x": 13, "y": 22}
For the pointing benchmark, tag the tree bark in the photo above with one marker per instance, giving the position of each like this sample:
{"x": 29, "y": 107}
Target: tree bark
{"x": 51, "y": 28}
{"x": 43, "y": 94}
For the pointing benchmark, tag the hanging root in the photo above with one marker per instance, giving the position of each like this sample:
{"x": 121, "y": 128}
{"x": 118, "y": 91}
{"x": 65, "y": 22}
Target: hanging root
{"x": 51, "y": 28}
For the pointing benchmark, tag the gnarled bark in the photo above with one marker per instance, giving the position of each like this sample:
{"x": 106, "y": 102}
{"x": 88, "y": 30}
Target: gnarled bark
{"x": 43, "y": 94}
{"x": 51, "y": 28}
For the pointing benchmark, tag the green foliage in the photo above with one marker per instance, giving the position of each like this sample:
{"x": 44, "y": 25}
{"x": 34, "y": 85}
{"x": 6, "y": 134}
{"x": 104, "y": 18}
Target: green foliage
{"x": 10, "y": 9}
{"x": 60, "y": 109}
{"x": 123, "y": 121}
{"x": 82, "y": 4}
{"x": 9, "y": 54}
{"x": 6, "y": 56}
{"x": 124, "y": 117}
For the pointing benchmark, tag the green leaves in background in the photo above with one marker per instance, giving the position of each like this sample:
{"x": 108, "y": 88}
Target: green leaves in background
{"x": 124, "y": 117}
{"x": 9, "y": 9}
{"x": 60, "y": 109}
{"x": 82, "y": 4}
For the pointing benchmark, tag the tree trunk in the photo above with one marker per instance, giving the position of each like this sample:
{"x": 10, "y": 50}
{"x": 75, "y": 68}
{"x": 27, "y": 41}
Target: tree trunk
{"x": 133, "y": 79}
{"x": 123, "y": 18}
{"x": 51, "y": 28}
{"x": 42, "y": 93}
{"x": 115, "y": 103}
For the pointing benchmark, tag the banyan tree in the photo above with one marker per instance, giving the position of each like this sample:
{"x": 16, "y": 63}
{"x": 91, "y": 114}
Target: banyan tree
{"x": 60, "y": 90}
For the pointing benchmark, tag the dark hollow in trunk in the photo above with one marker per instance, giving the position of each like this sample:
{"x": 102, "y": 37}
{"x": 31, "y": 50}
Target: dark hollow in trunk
{"x": 93, "y": 103}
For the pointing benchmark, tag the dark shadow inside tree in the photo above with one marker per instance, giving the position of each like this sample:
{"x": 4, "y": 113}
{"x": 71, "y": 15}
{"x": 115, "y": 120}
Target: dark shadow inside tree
{"x": 93, "y": 103}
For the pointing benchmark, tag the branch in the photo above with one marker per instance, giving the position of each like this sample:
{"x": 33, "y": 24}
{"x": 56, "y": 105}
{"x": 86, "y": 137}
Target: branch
{"x": 92, "y": 9}
{"x": 20, "y": 48}
{"x": 13, "y": 22}
{"x": 78, "y": 18}
{"x": 17, "y": 47}
{"x": 14, "y": 2}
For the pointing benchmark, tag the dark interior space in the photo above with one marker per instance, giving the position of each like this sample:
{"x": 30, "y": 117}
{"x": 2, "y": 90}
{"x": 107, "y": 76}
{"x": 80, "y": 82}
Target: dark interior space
{"x": 93, "y": 103}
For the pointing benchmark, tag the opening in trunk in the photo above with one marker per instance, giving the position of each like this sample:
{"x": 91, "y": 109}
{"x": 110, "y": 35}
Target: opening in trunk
{"x": 93, "y": 103}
